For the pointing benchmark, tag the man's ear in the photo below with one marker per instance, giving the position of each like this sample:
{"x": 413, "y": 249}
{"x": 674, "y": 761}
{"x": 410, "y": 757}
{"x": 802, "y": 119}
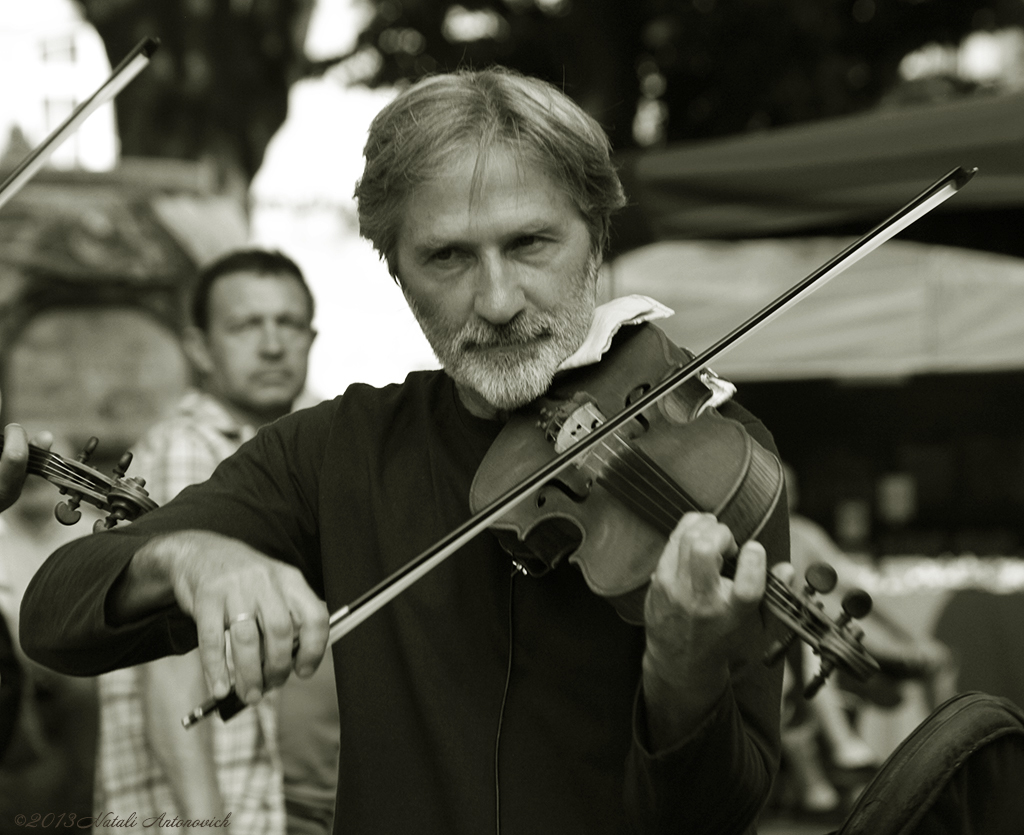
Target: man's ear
{"x": 193, "y": 341}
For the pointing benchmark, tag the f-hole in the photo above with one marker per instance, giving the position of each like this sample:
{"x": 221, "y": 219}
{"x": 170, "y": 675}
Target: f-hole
{"x": 632, "y": 397}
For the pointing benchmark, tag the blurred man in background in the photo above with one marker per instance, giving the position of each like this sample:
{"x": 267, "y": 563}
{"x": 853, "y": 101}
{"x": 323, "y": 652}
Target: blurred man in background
{"x": 249, "y": 343}
{"x": 821, "y": 737}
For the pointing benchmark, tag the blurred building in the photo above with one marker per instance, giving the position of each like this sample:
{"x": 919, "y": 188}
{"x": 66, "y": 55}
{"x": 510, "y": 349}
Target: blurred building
{"x": 52, "y": 60}
{"x": 94, "y": 271}
{"x": 96, "y": 253}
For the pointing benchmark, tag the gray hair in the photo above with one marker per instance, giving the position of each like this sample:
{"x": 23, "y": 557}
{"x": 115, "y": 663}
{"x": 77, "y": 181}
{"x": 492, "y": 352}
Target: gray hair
{"x": 426, "y": 126}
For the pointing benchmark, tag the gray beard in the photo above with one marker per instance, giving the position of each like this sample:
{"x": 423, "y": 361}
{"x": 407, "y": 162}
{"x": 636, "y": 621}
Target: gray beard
{"x": 512, "y": 364}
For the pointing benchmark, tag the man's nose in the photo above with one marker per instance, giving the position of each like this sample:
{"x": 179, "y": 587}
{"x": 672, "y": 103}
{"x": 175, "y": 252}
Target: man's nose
{"x": 271, "y": 340}
{"x": 499, "y": 293}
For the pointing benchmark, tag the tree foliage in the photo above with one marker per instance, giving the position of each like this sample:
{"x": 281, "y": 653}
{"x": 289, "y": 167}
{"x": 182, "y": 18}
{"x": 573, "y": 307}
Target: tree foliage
{"x": 705, "y": 67}
{"x": 217, "y": 88}
{"x": 649, "y": 70}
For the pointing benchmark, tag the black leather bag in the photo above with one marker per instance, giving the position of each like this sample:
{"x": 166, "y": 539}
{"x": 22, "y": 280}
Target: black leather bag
{"x": 961, "y": 772}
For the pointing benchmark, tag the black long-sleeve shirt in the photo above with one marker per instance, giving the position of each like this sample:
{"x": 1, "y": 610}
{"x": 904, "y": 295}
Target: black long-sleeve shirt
{"x": 476, "y": 696}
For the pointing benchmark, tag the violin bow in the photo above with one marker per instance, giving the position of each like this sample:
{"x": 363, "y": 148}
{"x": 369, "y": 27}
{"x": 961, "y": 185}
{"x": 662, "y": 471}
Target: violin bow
{"x": 132, "y": 64}
{"x": 345, "y": 619}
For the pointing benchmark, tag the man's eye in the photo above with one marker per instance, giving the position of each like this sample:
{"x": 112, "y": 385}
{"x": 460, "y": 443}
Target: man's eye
{"x": 448, "y": 257}
{"x": 528, "y": 242}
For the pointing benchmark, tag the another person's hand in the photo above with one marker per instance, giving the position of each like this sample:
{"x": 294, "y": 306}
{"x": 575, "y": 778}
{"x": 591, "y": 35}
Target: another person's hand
{"x": 276, "y": 622}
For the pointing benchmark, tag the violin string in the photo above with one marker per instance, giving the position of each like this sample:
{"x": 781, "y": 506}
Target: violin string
{"x": 667, "y": 487}
{"x": 782, "y": 596}
{"x": 49, "y": 464}
{"x": 624, "y": 465}
{"x": 655, "y": 496}
{"x": 43, "y": 463}
{"x": 53, "y": 466}
{"x": 664, "y": 487}
{"x": 641, "y": 486}
{"x": 786, "y": 601}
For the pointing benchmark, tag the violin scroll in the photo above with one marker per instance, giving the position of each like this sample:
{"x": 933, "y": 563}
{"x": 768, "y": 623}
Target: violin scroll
{"x": 127, "y": 497}
{"x": 856, "y": 604}
{"x": 837, "y": 643}
{"x": 123, "y": 498}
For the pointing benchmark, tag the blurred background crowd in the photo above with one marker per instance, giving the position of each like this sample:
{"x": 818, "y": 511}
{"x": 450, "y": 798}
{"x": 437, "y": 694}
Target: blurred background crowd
{"x": 754, "y": 139}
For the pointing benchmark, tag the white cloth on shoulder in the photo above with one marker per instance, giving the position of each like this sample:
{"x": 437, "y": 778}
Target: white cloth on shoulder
{"x": 611, "y": 316}
{"x": 608, "y": 319}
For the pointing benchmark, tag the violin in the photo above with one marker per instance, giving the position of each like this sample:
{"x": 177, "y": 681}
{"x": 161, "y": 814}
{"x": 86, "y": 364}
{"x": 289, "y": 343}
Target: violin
{"x": 836, "y": 642}
{"x": 611, "y": 512}
{"x": 121, "y": 497}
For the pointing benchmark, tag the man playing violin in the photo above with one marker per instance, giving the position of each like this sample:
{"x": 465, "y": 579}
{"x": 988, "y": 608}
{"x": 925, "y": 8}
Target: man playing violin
{"x": 479, "y": 699}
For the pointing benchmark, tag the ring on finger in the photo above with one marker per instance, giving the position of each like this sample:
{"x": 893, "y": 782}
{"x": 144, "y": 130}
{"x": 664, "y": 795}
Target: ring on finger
{"x": 242, "y": 618}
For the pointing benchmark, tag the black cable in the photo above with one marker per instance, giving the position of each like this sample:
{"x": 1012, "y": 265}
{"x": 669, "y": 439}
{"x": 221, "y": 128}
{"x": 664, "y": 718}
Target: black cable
{"x": 504, "y": 698}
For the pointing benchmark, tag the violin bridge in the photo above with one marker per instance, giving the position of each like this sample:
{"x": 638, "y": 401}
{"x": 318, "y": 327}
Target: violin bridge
{"x": 565, "y": 431}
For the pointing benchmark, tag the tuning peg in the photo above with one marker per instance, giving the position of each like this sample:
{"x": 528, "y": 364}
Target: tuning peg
{"x": 67, "y": 513}
{"x": 118, "y": 514}
{"x": 856, "y": 604}
{"x": 88, "y": 450}
{"x": 124, "y": 500}
{"x": 820, "y": 577}
{"x": 123, "y": 463}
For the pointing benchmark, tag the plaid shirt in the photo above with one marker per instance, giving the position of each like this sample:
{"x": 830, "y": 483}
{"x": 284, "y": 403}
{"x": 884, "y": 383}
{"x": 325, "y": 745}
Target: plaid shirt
{"x": 182, "y": 450}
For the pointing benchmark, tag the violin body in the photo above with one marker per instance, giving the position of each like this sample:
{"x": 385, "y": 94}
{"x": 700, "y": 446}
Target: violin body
{"x": 610, "y": 512}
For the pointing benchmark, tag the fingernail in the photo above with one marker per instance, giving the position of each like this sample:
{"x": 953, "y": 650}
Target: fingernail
{"x": 253, "y": 696}
{"x": 305, "y": 671}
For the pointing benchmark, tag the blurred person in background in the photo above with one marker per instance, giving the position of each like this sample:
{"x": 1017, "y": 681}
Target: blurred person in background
{"x": 273, "y": 768}
{"x": 478, "y": 699}
{"x": 820, "y": 737}
{"x": 48, "y": 721}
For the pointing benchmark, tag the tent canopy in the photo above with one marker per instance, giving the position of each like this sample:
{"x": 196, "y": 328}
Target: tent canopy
{"x": 725, "y": 218}
{"x": 829, "y": 174}
{"x": 907, "y": 308}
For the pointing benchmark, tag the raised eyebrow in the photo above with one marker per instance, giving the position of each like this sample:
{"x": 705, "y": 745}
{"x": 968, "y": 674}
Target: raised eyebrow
{"x": 538, "y": 230}
{"x": 429, "y": 247}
